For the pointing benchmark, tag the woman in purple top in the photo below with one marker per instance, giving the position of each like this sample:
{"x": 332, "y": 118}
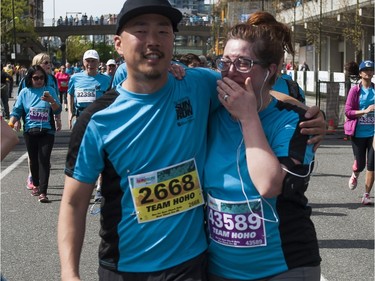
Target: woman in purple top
{"x": 359, "y": 110}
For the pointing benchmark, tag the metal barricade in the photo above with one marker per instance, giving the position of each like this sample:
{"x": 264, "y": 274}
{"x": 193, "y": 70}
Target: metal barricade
{"x": 329, "y": 100}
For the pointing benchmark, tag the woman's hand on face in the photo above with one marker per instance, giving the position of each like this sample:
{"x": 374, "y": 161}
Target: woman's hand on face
{"x": 238, "y": 101}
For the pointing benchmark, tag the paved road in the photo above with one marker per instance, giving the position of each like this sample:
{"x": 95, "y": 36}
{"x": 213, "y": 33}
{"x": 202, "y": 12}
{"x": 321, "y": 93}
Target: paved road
{"x": 345, "y": 228}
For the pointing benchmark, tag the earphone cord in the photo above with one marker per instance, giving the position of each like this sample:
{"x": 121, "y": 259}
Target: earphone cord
{"x": 261, "y": 98}
{"x": 276, "y": 220}
{"x": 261, "y": 93}
{"x": 300, "y": 176}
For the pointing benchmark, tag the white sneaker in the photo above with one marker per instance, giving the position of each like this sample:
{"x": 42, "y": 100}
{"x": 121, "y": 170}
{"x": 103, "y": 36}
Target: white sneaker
{"x": 98, "y": 196}
{"x": 353, "y": 182}
{"x": 366, "y": 199}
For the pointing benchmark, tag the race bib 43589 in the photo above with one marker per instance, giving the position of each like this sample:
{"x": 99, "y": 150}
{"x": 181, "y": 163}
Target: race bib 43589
{"x": 234, "y": 224}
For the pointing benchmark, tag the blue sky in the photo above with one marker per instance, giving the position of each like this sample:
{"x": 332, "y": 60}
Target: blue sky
{"x": 90, "y": 7}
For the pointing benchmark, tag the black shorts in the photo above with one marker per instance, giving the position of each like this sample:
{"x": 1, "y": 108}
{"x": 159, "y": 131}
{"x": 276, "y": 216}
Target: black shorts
{"x": 304, "y": 273}
{"x": 191, "y": 270}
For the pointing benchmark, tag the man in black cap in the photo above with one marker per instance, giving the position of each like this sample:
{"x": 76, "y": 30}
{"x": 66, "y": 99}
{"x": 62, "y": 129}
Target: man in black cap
{"x": 148, "y": 140}
{"x": 133, "y": 8}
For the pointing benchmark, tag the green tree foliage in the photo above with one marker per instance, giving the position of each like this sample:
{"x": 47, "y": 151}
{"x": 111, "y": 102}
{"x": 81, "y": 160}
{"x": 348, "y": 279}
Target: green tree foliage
{"x": 353, "y": 32}
{"x": 78, "y": 45}
{"x": 22, "y": 23}
{"x": 75, "y": 48}
{"x": 105, "y": 51}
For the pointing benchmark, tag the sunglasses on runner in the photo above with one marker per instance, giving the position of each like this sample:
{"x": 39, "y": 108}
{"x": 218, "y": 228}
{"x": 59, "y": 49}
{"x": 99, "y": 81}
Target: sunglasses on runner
{"x": 37, "y": 78}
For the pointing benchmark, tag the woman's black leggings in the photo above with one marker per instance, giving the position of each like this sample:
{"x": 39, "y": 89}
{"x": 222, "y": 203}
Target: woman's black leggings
{"x": 361, "y": 147}
{"x": 39, "y": 149}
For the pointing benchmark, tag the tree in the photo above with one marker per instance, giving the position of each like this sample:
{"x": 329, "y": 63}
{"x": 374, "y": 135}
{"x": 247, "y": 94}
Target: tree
{"x": 77, "y": 45}
{"x": 105, "y": 51}
{"x": 353, "y": 32}
{"x": 75, "y": 48}
{"x": 20, "y": 21}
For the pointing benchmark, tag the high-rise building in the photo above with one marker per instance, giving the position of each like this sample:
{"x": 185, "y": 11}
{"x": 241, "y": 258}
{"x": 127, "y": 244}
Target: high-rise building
{"x": 195, "y": 6}
{"x": 36, "y": 12}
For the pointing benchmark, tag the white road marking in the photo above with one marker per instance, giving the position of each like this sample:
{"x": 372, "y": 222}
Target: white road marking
{"x": 13, "y": 166}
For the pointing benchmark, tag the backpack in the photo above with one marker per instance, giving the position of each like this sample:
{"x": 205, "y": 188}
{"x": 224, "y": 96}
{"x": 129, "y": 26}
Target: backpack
{"x": 294, "y": 92}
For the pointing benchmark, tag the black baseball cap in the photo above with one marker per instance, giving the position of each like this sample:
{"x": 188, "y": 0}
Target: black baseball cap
{"x": 134, "y": 8}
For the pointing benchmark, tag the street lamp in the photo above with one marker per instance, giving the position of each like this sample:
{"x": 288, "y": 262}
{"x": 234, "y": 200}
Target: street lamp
{"x": 72, "y": 13}
{"x": 54, "y": 17}
{"x": 320, "y": 36}
{"x": 294, "y": 32}
{"x": 14, "y": 35}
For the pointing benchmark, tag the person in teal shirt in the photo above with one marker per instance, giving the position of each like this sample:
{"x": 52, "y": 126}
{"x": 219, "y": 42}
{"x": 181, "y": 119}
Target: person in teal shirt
{"x": 37, "y": 104}
{"x": 87, "y": 86}
{"x": 258, "y": 167}
{"x": 359, "y": 110}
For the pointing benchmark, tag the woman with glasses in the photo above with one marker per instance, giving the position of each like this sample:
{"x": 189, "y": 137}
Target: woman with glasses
{"x": 44, "y": 61}
{"x": 258, "y": 167}
{"x": 38, "y": 105}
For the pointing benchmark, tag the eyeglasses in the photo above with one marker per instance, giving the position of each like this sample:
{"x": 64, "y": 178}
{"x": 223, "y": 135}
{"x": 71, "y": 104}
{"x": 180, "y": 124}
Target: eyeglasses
{"x": 46, "y": 62}
{"x": 241, "y": 64}
{"x": 37, "y": 78}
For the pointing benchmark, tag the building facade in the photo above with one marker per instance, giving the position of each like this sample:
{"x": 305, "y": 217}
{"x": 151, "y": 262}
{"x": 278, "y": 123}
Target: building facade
{"x": 327, "y": 33}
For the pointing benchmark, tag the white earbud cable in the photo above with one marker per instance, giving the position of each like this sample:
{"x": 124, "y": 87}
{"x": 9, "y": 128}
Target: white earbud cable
{"x": 276, "y": 220}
